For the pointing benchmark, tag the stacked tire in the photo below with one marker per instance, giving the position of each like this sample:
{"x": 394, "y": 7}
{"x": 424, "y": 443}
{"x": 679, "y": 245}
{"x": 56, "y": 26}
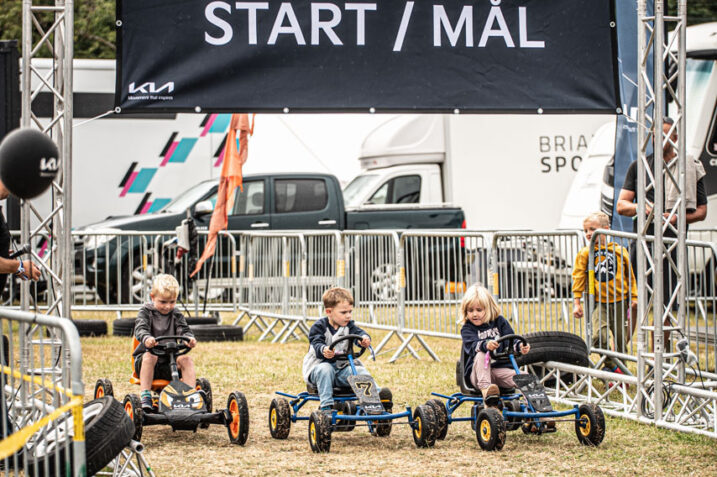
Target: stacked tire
{"x": 125, "y": 326}
{"x": 91, "y": 327}
{"x": 554, "y": 346}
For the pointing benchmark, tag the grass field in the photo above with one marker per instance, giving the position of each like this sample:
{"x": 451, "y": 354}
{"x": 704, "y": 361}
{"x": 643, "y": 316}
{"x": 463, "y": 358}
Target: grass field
{"x": 259, "y": 369}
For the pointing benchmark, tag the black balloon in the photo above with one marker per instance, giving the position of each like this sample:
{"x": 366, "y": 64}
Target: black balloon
{"x": 29, "y": 161}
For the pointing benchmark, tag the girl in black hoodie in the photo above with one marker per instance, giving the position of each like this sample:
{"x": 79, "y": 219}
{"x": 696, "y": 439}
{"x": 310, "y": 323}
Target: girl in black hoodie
{"x": 482, "y": 326}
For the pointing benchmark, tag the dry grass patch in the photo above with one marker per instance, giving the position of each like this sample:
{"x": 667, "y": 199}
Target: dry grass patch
{"x": 259, "y": 369}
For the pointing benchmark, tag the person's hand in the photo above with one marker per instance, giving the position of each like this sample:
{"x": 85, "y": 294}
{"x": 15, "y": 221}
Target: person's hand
{"x": 365, "y": 342}
{"x": 192, "y": 342}
{"x": 578, "y": 311}
{"x": 32, "y": 270}
{"x": 329, "y": 353}
{"x": 673, "y": 219}
{"x": 524, "y": 349}
{"x": 492, "y": 345}
{"x": 150, "y": 342}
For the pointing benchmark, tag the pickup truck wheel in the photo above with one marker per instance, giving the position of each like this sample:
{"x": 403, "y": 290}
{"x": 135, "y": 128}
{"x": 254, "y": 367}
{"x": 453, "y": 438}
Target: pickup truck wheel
{"x": 384, "y": 282}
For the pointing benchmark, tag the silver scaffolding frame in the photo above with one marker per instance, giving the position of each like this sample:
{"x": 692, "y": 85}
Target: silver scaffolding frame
{"x": 57, "y": 224}
{"x": 655, "y": 259}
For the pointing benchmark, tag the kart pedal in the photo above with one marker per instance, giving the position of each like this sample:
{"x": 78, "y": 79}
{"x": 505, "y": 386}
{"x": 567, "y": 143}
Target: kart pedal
{"x": 533, "y": 391}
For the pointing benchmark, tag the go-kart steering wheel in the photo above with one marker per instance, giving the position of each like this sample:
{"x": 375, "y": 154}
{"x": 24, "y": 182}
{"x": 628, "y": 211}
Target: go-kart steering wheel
{"x": 171, "y": 347}
{"x": 349, "y": 348}
{"x": 510, "y": 347}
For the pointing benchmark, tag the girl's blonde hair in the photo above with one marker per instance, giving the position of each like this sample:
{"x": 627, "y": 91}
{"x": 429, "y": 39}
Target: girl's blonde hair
{"x": 480, "y": 295}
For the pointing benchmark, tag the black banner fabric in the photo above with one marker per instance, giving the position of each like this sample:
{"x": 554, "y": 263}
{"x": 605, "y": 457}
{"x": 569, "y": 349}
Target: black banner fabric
{"x": 383, "y": 56}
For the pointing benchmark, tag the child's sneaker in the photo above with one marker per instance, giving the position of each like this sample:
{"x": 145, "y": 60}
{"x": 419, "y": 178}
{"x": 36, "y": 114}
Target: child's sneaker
{"x": 386, "y": 399}
{"x": 146, "y": 400}
{"x": 491, "y": 396}
{"x": 616, "y": 370}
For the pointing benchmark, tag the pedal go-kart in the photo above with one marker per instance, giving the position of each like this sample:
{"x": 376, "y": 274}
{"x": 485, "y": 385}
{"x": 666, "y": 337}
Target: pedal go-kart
{"x": 179, "y": 405}
{"x": 529, "y": 409}
{"x": 357, "y": 405}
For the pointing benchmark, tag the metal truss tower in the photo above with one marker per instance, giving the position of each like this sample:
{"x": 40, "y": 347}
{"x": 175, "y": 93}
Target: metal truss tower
{"x": 49, "y": 26}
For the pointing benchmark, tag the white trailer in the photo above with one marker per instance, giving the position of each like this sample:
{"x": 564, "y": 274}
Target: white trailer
{"x": 505, "y": 171}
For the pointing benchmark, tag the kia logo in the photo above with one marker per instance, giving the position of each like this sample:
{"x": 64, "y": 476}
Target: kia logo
{"x": 151, "y": 87}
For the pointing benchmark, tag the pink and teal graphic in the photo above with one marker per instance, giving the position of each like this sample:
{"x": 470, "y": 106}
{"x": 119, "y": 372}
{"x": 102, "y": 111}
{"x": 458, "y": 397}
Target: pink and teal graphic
{"x": 176, "y": 151}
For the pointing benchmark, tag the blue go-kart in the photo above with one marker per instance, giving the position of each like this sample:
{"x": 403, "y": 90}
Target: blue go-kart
{"x": 529, "y": 409}
{"x": 357, "y": 405}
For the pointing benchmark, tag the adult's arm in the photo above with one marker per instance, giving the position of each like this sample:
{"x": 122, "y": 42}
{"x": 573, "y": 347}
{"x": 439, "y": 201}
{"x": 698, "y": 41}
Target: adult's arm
{"x": 10, "y": 265}
{"x": 625, "y": 204}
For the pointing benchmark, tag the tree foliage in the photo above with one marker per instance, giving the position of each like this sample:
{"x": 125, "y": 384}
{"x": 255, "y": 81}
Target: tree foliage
{"x": 94, "y": 26}
{"x": 95, "y": 31}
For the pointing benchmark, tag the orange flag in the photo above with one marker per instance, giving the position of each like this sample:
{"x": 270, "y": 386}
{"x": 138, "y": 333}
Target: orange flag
{"x": 230, "y": 179}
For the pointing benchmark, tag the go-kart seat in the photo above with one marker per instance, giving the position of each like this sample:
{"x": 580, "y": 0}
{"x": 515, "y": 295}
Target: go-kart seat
{"x": 157, "y": 384}
{"x": 468, "y": 389}
{"x": 341, "y": 391}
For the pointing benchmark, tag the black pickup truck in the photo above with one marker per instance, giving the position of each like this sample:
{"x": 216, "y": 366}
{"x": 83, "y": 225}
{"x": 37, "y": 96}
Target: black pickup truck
{"x": 268, "y": 202}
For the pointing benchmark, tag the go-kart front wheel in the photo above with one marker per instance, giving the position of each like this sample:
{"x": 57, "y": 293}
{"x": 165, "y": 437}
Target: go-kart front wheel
{"x": 103, "y": 387}
{"x": 590, "y": 427}
{"x": 238, "y": 425}
{"x": 424, "y": 426}
{"x": 320, "y": 431}
{"x": 133, "y": 408}
{"x": 279, "y": 418}
{"x": 490, "y": 429}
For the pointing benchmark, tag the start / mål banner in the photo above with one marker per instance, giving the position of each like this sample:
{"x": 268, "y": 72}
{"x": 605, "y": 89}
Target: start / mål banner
{"x": 376, "y": 56}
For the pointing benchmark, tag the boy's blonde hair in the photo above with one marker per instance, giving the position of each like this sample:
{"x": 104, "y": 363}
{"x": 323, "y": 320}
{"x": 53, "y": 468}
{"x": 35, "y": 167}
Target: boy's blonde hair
{"x": 334, "y": 296}
{"x": 165, "y": 285}
{"x": 600, "y": 217}
{"x": 480, "y": 295}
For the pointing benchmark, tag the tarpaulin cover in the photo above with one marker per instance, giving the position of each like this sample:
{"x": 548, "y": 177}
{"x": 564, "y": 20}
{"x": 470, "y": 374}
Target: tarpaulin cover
{"x": 393, "y": 56}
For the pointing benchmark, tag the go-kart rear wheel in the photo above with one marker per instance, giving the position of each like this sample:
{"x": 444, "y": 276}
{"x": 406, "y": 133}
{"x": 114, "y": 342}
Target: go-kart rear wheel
{"x": 238, "y": 426}
{"x": 320, "y": 431}
{"x": 204, "y": 386}
{"x": 382, "y": 428}
{"x": 490, "y": 429}
{"x": 346, "y": 408}
{"x": 441, "y": 418}
{"x": 424, "y": 426}
{"x": 513, "y": 423}
{"x": 279, "y": 418}
{"x": 590, "y": 428}
{"x": 103, "y": 387}
{"x": 133, "y": 408}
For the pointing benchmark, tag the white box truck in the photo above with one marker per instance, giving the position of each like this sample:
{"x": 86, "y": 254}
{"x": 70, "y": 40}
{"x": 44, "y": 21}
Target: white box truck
{"x": 505, "y": 171}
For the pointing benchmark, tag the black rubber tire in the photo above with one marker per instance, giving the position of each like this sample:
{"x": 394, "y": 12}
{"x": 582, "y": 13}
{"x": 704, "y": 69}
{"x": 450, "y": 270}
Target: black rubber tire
{"x": 238, "y": 427}
{"x": 513, "y": 423}
{"x": 424, "y": 426}
{"x": 123, "y": 326}
{"x": 320, "y": 432}
{"x": 490, "y": 429}
{"x": 279, "y": 418}
{"x": 107, "y": 431}
{"x": 217, "y": 333}
{"x": 439, "y": 409}
{"x": 133, "y": 408}
{"x": 593, "y": 431}
{"x": 555, "y": 346}
{"x": 91, "y": 327}
{"x": 205, "y": 385}
{"x": 103, "y": 387}
{"x": 382, "y": 428}
{"x": 345, "y": 407}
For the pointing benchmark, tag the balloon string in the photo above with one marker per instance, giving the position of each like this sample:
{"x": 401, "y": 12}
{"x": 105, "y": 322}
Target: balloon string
{"x": 96, "y": 117}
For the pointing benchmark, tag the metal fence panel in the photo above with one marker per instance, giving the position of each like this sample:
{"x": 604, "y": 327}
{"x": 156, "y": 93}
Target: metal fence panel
{"x": 41, "y": 413}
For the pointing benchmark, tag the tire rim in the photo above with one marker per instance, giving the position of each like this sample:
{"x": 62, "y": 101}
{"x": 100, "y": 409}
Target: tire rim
{"x": 312, "y": 433}
{"x": 418, "y": 431}
{"x": 272, "y": 419}
{"x": 384, "y": 283}
{"x": 485, "y": 430}
{"x": 234, "y": 411}
{"x": 58, "y": 432}
{"x": 584, "y": 425}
